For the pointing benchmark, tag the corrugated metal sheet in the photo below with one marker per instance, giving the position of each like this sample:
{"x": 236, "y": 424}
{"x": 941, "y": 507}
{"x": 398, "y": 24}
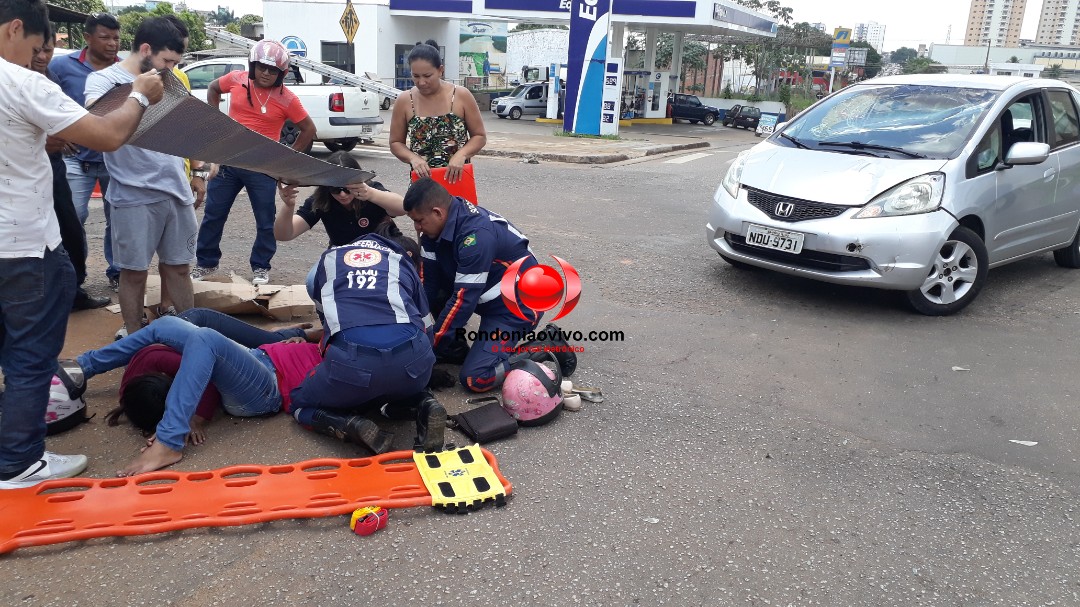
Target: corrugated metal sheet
{"x": 182, "y": 125}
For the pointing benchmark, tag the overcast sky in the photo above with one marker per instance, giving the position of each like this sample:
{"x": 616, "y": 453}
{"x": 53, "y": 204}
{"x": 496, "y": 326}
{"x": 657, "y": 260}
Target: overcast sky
{"x": 907, "y": 22}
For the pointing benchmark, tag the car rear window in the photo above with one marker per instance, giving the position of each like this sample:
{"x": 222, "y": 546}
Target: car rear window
{"x": 934, "y": 121}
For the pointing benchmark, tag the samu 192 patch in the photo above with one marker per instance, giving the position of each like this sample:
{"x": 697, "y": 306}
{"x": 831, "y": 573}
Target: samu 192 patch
{"x": 469, "y": 240}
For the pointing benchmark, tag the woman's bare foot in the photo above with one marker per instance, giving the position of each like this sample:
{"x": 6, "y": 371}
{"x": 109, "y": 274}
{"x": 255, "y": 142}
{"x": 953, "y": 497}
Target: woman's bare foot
{"x": 153, "y": 457}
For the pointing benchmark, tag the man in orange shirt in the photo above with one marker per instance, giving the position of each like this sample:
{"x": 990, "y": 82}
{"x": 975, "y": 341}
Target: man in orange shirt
{"x": 259, "y": 101}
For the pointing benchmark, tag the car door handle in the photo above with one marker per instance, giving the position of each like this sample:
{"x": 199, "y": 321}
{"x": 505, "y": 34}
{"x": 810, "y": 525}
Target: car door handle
{"x": 1048, "y": 174}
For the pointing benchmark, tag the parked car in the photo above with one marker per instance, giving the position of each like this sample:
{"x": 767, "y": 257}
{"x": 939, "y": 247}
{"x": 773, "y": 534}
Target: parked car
{"x": 343, "y": 115}
{"x": 917, "y": 183}
{"x": 689, "y": 107}
{"x": 742, "y": 115}
{"x": 529, "y": 98}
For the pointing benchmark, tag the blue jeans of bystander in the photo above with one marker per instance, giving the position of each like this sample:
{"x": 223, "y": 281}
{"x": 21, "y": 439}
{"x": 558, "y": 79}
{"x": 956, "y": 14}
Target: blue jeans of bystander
{"x": 35, "y": 300}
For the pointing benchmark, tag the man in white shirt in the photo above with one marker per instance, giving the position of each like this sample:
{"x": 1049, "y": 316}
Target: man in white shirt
{"x": 37, "y": 282}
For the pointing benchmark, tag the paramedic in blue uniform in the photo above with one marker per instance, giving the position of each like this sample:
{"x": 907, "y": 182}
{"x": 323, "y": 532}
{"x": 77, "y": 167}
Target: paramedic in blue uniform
{"x": 376, "y": 338}
{"x": 465, "y": 251}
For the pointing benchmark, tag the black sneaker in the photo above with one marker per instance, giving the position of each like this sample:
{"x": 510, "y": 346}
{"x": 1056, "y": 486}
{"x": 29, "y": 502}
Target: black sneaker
{"x": 86, "y": 301}
{"x": 430, "y": 425}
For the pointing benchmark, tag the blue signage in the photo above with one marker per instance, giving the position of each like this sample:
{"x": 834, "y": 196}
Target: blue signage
{"x": 295, "y": 45}
{"x": 586, "y": 58}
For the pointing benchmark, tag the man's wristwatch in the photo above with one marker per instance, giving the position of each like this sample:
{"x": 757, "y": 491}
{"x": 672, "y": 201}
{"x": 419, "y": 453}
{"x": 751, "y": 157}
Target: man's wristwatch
{"x": 200, "y": 173}
{"x": 143, "y": 101}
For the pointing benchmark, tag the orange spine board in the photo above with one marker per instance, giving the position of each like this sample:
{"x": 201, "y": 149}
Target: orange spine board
{"x": 157, "y": 502}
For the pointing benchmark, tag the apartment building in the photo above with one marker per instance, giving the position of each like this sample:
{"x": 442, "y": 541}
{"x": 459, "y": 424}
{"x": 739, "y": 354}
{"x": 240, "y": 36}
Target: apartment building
{"x": 872, "y": 32}
{"x": 995, "y": 22}
{"x": 1059, "y": 22}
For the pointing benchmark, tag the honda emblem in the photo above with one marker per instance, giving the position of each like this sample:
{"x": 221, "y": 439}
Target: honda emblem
{"x": 784, "y": 209}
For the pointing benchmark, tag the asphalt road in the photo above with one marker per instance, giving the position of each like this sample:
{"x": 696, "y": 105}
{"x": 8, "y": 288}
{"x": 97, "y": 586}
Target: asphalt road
{"x": 765, "y": 440}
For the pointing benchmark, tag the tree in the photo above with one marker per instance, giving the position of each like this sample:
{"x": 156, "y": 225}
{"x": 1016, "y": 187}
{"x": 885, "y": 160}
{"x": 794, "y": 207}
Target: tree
{"x": 904, "y": 54}
{"x": 923, "y": 65}
{"x": 1054, "y": 71}
{"x": 223, "y": 16}
{"x": 131, "y": 19}
{"x": 521, "y": 27}
{"x": 74, "y": 31}
{"x": 1013, "y": 59}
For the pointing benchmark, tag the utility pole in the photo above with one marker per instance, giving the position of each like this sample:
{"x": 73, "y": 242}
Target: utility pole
{"x": 986, "y": 64}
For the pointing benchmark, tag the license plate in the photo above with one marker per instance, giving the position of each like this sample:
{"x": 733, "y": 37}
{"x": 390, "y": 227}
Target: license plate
{"x": 365, "y": 129}
{"x": 772, "y": 238}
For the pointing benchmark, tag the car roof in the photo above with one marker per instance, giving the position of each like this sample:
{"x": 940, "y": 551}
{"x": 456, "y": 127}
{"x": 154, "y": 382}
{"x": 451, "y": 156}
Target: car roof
{"x": 975, "y": 81}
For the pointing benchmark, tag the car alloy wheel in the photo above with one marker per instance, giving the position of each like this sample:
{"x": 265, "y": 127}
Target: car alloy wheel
{"x": 956, "y": 276}
{"x": 709, "y": 119}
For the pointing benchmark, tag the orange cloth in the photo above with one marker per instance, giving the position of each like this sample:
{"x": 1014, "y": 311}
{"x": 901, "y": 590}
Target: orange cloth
{"x": 281, "y": 105}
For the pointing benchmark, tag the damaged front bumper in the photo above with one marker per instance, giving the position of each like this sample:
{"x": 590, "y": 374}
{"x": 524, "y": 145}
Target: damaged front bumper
{"x": 883, "y": 252}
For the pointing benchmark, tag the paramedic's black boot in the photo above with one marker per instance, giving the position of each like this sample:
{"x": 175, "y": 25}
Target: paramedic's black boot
{"x": 430, "y": 424}
{"x": 541, "y": 349}
{"x": 353, "y": 428}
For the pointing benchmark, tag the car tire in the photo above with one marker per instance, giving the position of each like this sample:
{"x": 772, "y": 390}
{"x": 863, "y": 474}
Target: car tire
{"x": 289, "y": 133}
{"x": 385, "y": 103}
{"x": 710, "y": 119}
{"x": 958, "y": 274}
{"x": 342, "y": 145}
{"x": 1069, "y": 257}
{"x": 515, "y": 113}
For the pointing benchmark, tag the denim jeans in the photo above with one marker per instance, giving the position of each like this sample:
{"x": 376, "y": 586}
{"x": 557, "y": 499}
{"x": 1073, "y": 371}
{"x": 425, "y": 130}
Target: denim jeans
{"x": 245, "y": 377}
{"x": 221, "y": 193}
{"x": 235, "y": 329}
{"x": 35, "y": 300}
{"x": 82, "y": 187}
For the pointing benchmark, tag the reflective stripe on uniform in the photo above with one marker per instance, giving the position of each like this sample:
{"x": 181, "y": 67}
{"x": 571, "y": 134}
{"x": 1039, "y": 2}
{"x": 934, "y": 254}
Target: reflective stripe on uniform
{"x": 492, "y": 293}
{"x": 393, "y": 289}
{"x": 329, "y": 304}
{"x": 471, "y": 279}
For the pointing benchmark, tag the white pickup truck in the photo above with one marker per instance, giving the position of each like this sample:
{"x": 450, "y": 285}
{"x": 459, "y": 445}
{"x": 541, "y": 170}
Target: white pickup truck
{"x": 343, "y": 115}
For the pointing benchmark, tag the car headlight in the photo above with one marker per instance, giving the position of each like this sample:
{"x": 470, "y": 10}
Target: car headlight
{"x": 733, "y": 178}
{"x": 919, "y": 195}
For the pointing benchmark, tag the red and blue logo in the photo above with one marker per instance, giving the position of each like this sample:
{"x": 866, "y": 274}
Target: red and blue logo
{"x": 541, "y": 288}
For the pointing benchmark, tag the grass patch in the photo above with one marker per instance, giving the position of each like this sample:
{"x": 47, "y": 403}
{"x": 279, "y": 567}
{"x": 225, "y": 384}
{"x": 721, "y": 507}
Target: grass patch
{"x": 562, "y": 133}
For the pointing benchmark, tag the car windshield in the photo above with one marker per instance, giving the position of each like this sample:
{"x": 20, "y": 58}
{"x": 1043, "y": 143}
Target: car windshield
{"x": 931, "y": 121}
{"x": 519, "y": 91}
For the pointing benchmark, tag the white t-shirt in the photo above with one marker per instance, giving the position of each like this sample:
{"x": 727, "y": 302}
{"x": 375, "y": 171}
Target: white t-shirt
{"x": 31, "y": 106}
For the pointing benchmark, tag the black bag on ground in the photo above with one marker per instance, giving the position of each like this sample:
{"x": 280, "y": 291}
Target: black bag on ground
{"x": 487, "y": 423}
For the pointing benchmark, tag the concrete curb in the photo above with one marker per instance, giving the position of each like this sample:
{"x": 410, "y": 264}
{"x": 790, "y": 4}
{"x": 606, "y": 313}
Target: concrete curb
{"x": 594, "y": 158}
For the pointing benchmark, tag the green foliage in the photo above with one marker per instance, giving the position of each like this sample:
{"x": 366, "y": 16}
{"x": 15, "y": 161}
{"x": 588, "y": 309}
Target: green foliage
{"x": 728, "y": 93}
{"x": 250, "y": 18}
{"x": 1013, "y": 59}
{"x": 521, "y": 27}
{"x": 223, "y": 16}
{"x": 233, "y": 28}
{"x": 923, "y": 65}
{"x": 562, "y": 133}
{"x": 784, "y": 93}
{"x": 904, "y": 54}
{"x": 130, "y": 21}
{"x": 75, "y": 30}
{"x": 1054, "y": 71}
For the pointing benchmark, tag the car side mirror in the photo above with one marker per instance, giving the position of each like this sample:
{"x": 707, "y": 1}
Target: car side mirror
{"x": 1027, "y": 152}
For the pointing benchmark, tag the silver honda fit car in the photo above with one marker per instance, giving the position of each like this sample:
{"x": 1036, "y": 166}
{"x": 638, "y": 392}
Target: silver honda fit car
{"x": 915, "y": 183}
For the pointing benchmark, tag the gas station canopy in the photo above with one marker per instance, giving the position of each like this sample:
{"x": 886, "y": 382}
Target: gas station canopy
{"x": 716, "y": 18}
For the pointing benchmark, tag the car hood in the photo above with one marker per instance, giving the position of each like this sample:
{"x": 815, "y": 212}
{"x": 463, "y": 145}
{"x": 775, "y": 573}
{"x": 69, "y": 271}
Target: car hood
{"x": 828, "y": 177}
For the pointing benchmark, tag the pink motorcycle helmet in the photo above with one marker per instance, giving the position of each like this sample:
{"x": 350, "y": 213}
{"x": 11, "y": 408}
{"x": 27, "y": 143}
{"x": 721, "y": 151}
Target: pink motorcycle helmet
{"x": 531, "y": 393}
